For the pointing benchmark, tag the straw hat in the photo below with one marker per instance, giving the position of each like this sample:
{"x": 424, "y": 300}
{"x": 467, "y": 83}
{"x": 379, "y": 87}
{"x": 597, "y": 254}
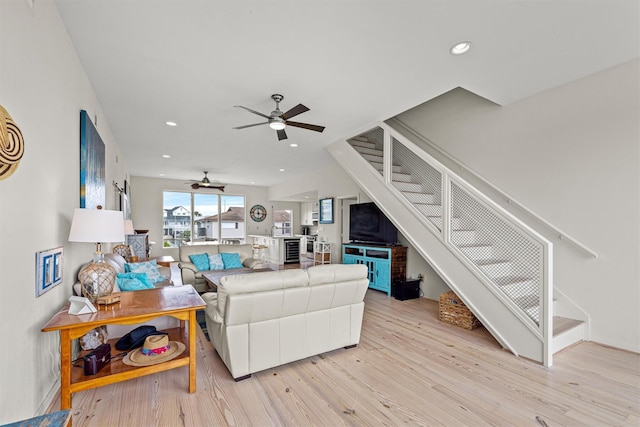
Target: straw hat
{"x": 11, "y": 145}
{"x": 156, "y": 349}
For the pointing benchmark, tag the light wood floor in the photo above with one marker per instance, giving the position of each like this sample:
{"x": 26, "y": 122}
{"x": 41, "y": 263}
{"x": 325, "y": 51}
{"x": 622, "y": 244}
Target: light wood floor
{"x": 409, "y": 369}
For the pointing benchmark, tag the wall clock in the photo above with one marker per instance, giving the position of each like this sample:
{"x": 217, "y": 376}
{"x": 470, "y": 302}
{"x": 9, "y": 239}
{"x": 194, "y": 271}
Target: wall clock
{"x": 258, "y": 213}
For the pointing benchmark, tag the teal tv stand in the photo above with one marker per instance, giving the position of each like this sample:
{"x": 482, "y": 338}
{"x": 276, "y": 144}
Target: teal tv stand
{"x": 385, "y": 264}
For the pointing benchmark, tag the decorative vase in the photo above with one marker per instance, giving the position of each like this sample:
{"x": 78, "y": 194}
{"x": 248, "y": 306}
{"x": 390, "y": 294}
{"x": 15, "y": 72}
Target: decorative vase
{"x": 98, "y": 279}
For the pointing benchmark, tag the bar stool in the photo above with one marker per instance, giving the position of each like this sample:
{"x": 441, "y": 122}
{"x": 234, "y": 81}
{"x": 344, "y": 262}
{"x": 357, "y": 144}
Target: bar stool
{"x": 260, "y": 251}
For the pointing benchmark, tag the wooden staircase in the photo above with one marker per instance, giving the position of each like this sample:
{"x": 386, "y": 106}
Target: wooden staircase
{"x": 497, "y": 265}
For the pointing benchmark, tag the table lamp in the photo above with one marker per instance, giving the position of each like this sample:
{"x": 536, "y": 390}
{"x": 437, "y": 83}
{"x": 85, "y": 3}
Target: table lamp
{"x": 97, "y": 226}
{"x": 128, "y": 227}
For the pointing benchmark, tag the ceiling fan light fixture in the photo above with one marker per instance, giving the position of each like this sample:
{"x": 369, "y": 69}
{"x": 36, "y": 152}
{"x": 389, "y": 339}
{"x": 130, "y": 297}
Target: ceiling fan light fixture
{"x": 277, "y": 124}
{"x": 460, "y": 48}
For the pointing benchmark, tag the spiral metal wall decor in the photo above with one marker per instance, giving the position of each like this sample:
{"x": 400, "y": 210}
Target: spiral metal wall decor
{"x": 11, "y": 145}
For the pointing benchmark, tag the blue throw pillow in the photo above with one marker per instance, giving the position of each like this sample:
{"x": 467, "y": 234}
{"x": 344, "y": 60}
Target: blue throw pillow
{"x": 139, "y": 276}
{"x": 133, "y": 282}
{"x": 150, "y": 268}
{"x": 201, "y": 261}
{"x": 215, "y": 262}
{"x": 231, "y": 260}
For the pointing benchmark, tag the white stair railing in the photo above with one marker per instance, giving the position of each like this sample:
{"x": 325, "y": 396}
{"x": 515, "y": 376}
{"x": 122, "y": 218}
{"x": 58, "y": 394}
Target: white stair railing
{"x": 512, "y": 260}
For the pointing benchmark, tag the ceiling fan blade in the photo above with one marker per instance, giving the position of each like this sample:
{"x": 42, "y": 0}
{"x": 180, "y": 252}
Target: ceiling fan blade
{"x": 248, "y": 126}
{"x": 252, "y": 111}
{"x": 298, "y": 109}
{"x": 281, "y": 134}
{"x": 306, "y": 126}
{"x": 197, "y": 186}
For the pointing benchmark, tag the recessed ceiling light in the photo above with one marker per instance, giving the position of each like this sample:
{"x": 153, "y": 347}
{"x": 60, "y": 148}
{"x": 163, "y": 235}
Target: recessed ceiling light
{"x": 460, "y": 48}
{"x": 252, "y": 182}
{"x": 166, "y": 156}
{"x": 171, "y": 123}
{"x": 161, "y": 174}
{"x": 293, "y": 144}
{"x": 281, "y": 170}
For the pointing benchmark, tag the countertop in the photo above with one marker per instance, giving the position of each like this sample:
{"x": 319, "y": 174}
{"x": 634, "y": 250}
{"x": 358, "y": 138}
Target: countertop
{"x": 294, "y": 237}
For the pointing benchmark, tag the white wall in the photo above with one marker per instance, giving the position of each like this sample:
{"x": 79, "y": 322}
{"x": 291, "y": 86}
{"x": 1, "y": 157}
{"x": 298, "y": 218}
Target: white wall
{"x": 43, "y": 86}
{"x": 572, "y": 155}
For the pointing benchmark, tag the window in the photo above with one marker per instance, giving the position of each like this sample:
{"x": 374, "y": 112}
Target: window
{"x": 216, "y": 218}
{"x": 282, "y": 219}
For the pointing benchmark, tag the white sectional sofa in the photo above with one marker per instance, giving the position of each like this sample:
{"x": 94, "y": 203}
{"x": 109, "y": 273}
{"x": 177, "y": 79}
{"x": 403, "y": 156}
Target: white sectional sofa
{"x": 265, "y": 319}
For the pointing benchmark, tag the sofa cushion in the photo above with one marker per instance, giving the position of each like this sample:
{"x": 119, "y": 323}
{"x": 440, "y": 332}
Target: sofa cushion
{"x": 263, "y": 281}
{"x": 244, "y": 250}
{"x": 201, "y": 261}
{"x": 332, "y": 273}
{"x": 215, "y": 262}
{"x": 150, "y": 268}
{"x": 185, "y": 250}
{"x": 231, "y": 260}
{"x": 116, "y": 261}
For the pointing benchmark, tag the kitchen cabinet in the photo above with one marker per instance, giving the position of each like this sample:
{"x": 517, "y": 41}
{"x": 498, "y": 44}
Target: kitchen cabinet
{"x": 279, "y": 250}
{"x": 385, "y": 264}
{"x": 303, "y": 246}
{"x": 309, "y": 213}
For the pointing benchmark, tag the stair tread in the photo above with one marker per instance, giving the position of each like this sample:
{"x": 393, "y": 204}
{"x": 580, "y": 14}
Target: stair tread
{"x": 510, "y": 280}
{"x": 563, "y": 324}
{"x": 375, "y": 161}
{"x": 417, "y": 192}
{"x": 525, "y": 302}
{"x": 485, "y": 262}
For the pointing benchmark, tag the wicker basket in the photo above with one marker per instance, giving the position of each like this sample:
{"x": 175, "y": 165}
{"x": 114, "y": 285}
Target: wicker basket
{"x": 452, "y": 310}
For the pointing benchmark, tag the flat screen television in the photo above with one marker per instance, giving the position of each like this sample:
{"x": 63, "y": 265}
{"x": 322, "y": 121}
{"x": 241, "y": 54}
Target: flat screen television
{"x": 367, "y": 224}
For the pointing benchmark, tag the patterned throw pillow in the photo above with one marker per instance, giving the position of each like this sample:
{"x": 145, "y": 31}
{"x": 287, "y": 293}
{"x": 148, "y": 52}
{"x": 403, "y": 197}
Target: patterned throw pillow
{"x": 231, "y": 260}
{"x": 215, "y": 262}
{"x": 150, "y": 268}
{"x": 201, "y": 261}
{"x": 133, "y": 281}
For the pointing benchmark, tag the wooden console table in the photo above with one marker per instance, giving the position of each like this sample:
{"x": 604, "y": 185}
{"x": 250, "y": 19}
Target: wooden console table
{"x": 180, "y": 302}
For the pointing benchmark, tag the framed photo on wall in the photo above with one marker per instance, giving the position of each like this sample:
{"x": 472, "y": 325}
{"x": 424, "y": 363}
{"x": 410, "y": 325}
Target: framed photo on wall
{"x": 124, "y": 205}
{"x": 48, "y": 269}
{"x": 325, "y": 211}
{"x": 92, "y": 165}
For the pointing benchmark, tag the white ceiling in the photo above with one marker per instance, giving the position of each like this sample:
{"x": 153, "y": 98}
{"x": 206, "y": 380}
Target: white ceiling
{"x": 351, "y": 62}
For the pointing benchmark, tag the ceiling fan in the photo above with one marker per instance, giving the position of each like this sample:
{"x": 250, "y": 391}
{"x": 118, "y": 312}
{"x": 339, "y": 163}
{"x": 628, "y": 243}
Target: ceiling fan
{"x": 278, "y": 120}
{"x": 205, "y": 182}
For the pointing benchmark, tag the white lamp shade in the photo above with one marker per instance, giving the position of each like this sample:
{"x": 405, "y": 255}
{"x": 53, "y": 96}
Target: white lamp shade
{"x": 128, "y": 227}
{"x": 97, "y": 226}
